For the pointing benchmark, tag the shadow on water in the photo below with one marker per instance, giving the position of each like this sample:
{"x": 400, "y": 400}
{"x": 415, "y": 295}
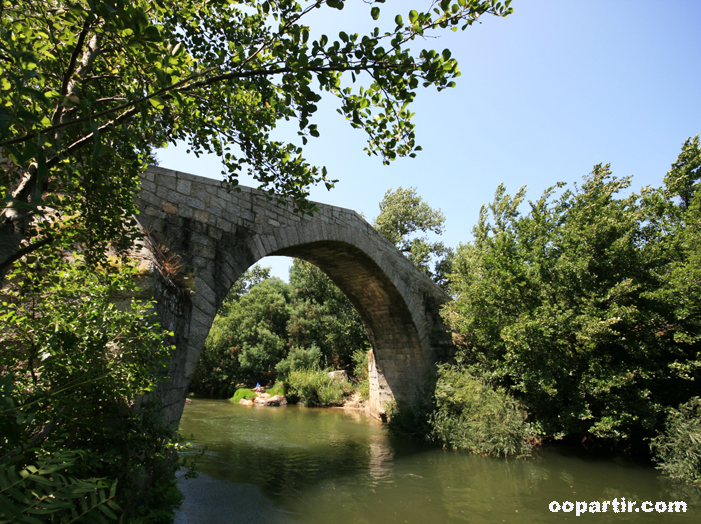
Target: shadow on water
{"x": 318, "y": 465}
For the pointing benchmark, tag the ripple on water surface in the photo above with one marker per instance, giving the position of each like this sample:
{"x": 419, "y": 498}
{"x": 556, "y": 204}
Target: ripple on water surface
{"x": 292, "y": 464}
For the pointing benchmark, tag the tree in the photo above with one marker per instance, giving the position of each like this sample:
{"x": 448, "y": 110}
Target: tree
{"x": 682, "y": 180}
{"x": 252, "y": 277}
{"x": 675, "y": 216}
{"x": 247, "y": 339}
{"x": 309, "y": 321}
{"x": 74, "y": 369}
{"x": 566, "y": 307}
{"x": 89, "y": 89}
{"x": 322, "y": 315}
{"x": 404, "y": 215}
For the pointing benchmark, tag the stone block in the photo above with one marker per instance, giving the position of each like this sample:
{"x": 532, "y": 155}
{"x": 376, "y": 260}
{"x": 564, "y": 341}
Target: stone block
{"x": 203, "y": 216}
{"x": 164, "y": 180}
{"x": 186, "y": 211}
{"x": 183, "y": 186}
{"x": 259, "y": 246}
{"x": 169, "y": 208}
{"x": 199, "y": 192}
{"x": 220, "y": 203}
{"x": 267, "y": 247}
{"x": 202, "y": 317}
{"x": 225, "y": 225}
{"x": 197, "y": 335}
{"x": 150, "y": 197}
{"x": 272, "y": 243}
{"x": 195, "y": 203}
{"x": 154, "y": 212}
{"x": 205, "y": 292}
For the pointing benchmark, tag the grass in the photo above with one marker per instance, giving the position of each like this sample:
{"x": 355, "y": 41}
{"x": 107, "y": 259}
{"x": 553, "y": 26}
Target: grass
{"x": 243, "y": 393}
{"x": 277, "y": 389}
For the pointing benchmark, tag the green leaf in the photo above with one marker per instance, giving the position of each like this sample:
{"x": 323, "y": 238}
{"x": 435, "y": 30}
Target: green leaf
{"x": 157, "y": 102}
{"x": 152, "y": 34}
{"x": 375, "y": 12}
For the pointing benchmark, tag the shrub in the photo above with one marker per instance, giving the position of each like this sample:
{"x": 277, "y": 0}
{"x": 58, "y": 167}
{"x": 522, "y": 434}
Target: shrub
{"x": 79, "y": 357}
{"x": 299, "y": 358}
{"x": 243, "y": 393}
{"x": 316, "y": 388}
{"x": 473, "y": 416}
{"x": 360, "y": 372}
{"x": 678, "y": 450}
{"x": 277, "y": 389}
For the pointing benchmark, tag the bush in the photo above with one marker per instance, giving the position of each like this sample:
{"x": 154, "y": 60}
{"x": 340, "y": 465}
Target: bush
{"x": 75, "y": 370}
{"x": 316, "y": 388}
{"x": 277, "y": 389}
{"x": 473, "y": 416}
{"x": 299, "y": 358}
{"x": 678, "y": 450}
{"x": 360, "y": 372}
{"x": 243, "y": 393}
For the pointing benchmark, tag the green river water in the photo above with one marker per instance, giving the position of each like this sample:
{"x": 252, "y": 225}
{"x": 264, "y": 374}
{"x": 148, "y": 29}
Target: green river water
{"x": 301, "y": 465}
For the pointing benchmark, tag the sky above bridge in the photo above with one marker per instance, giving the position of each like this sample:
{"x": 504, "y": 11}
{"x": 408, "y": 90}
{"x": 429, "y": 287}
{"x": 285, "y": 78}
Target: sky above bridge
{"x": 558, "y": 86}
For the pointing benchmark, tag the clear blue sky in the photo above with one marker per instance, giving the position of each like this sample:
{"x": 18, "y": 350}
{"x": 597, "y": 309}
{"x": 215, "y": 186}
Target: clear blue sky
{"x": 558, "y": 86}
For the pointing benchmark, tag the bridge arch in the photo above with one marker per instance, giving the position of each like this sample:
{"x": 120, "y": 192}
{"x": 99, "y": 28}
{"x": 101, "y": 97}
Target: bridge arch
{"x": 218, "y": 235}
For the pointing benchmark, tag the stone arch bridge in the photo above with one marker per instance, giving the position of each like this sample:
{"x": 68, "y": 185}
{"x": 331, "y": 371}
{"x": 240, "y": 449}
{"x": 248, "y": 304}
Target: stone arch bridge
{"x": 219, "y": 234}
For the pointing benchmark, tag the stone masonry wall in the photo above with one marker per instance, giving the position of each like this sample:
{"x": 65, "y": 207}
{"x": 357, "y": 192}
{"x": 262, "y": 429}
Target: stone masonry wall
{"x": 220, "y": 234}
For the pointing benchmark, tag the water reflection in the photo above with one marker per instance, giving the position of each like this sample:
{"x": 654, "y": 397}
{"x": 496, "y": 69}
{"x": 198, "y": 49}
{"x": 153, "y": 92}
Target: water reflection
{"x": 381, "y": 459}
{"x": 317, "y": 466}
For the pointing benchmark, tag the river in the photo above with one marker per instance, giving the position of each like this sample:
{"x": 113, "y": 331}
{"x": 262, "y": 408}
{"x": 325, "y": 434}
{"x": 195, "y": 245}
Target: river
{"x": 302, "y": 465}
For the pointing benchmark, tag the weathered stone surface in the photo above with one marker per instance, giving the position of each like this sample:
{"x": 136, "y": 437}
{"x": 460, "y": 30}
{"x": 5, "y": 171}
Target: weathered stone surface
{"x": 261, "y": 399}
{"x": 277, "y": 400}
{"x": 219, "y": 234}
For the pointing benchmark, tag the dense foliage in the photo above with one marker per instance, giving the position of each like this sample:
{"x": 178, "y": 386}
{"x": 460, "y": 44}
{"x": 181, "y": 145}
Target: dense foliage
{"x": 405, "y": 219}
{"x": 586, "y": 308}
{"x": 678, "y": 449}
{"x": 42, "y": 493}
{"x": 475, "y": 417}
{"x": 75, "y": 367}
{"x": 243, "y": 394}
{"x": 313, "y": 387}
{"x": 361, "y": 363}
{"x": 88, "y": 89}
{"x": 276, "y": 328}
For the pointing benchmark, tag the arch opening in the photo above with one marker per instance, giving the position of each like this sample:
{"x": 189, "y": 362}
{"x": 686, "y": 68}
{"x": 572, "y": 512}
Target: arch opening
{"x": 388, "y": 321}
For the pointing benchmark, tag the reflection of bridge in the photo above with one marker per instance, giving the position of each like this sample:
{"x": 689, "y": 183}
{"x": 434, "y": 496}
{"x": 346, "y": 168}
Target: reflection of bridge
{"x": 220, "y": 234}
